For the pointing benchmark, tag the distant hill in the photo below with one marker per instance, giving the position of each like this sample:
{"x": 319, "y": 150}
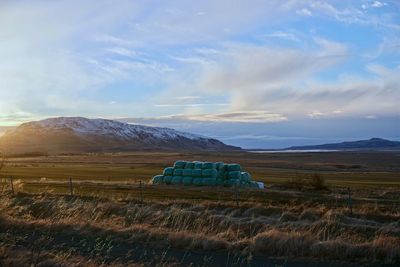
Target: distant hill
{"x": 76, "y": 134}
{"x": 371, "y": 144}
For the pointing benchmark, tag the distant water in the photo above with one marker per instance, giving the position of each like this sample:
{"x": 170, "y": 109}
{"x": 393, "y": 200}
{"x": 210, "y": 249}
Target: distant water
{"x": 293, "y": 151}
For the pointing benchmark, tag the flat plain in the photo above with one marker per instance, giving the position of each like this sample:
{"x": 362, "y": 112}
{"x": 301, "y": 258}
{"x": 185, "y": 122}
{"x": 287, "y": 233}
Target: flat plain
{"x": 115, "y": 218}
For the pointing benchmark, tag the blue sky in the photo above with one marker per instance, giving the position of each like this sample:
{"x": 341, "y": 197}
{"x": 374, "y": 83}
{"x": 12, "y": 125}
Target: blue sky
{"x": 252, "y": 73}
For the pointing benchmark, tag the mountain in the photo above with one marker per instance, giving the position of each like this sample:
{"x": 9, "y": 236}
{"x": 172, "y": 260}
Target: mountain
{"x": 371, "y": 144}
{"x": 76, "y": 134}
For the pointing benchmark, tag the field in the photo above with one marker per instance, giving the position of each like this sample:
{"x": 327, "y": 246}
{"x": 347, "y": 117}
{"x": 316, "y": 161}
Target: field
{"x": 114, "y": 220}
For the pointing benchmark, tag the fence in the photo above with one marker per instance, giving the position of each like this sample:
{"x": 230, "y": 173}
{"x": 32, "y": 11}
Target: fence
{"x": 143, "y": 192}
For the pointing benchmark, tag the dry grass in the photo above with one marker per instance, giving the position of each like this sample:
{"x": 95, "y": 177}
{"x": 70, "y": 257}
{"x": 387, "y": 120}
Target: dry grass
{"x": 97, "y": 226}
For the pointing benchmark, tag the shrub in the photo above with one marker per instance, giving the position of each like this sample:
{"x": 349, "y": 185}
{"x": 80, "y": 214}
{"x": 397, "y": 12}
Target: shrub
{"x": 318, "y": 182}
{"x": 297, "y": 182}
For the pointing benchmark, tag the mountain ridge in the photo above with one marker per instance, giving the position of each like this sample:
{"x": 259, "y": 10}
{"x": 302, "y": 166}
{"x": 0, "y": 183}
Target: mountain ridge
{"x": 78, "y": 134}
{"x": 369, "y": 144}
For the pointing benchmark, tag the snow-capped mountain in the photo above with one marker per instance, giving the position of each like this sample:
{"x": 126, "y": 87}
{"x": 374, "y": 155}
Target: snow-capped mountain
{"x": 76, "y": 134}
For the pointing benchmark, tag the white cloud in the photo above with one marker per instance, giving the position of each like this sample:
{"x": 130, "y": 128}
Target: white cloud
{"x": 304, "y": 12}
{"x": 57, "y": 56}
{"x": 238, "y": 116}
{"x": 244, "y": 116}
{"x": 284, "y": 35}
{"x": 279, "y": 80}
{"x": 378, "y": 4}
{"x": 122, "y": 51}
{"x": 190, "y": 105}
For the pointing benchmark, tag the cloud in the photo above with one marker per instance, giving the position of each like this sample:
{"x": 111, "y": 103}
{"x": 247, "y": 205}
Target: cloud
{"x": 241, "y": 66}
{"x": 245, "y": 116}
{"x": 352, "y": 15}
{"x": 179, "y": 57}
{"x": 191, "y": 105}
{"x": 280, "y": 80}
{"x": 304, "y": 12}
{"x": 121, "y": 51}
{"x": 377, "y": 4}
{"x": 370, "y": 117}
{"x": 284, "y": 35}
{"x": 242, "y": 117}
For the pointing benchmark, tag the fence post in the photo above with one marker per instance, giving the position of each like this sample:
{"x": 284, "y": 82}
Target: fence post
{"x": 71, "y": 189}
{"x": 12, "y": 185}
{"x": 350, "y": 202}
{"x": 236, "y": 195}
{"x": 141, "y": 191}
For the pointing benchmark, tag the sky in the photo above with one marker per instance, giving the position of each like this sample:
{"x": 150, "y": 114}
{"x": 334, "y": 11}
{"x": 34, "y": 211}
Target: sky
{"x": 259, "y": 74}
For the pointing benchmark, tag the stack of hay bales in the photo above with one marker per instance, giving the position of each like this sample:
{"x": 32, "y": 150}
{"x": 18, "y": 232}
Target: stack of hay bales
{"x": 204, "y": 174}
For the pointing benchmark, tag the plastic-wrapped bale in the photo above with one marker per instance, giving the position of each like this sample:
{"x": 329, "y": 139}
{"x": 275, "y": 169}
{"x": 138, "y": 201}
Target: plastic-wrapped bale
{"x": 211, "y": 173}
{"x": 167, "y": 179}
{"x": 209, "y": 181}
{"x": 219, "y": 166}
{"x": 245, "y": 176}
{"x": 189, "y": 165}
{"x": 254, "y": 184}
{"x": 179, "y": 164}
{"x": 198, "y": 181}
{"x": 187, "y": 172}
{"x": 221, "y": 175}
{"x": 187, "y": 180}
{"x": 168, "y": 171}
{"x": 208, "y": 165}
{"x": 233, "y": 167}
{"x": 197, "y": 172}
{"x": 198, "y": 165}
{"x": 158, "y": 179}
{"x": 178, "y": 172}
{"x": 176, "y": 180}
{"x": 232, "y": 182}
{"x": 245, "y": 183}
{"x": 235, "y": 175}
{"x": 220, "y": 182}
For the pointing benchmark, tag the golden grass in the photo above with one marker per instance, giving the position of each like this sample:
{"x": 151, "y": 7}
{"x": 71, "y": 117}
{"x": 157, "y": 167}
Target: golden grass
{"x": 280, "y": 229}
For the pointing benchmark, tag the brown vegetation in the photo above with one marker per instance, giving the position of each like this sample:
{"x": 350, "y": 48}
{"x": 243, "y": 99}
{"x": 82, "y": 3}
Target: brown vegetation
{"x": 105, "y": 224}
{"x": 95, "y": 229}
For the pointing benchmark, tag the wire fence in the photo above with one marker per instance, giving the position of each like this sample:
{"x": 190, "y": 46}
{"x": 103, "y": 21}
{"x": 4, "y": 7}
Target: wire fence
{"x": 143, "y": 192}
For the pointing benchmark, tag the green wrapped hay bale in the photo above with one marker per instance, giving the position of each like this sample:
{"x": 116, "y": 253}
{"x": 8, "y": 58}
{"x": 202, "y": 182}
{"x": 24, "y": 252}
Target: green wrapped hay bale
{"x": 209, "y": 173}
{"x": 178, "y": 172}
{"x": 208, "y": 165}
{"x": 168, "y": 171}
{"x": 232, "y": 182}
{"x": 189, "y": 165}
{"x": 209, "y": 181}
{"x": 158, "y": 179}
{"x": 221, "y": 175}
{"x": 245, "y": 176}
{"x": 244, "y": 183}
{"x": 167, "y": 179}
{"x": 218, "y": 165}
{"x": 198, "y": 181}
{"x": 187, "y": 172}
{"x": 220, "y": 182}
{"x": 179, "y": 164}
{"x": 197, "y": 172}
{"x": 233, "y": 167}
{"x": 204, "y": 173}
{"x": 222, "y": 167}
{"x": 198, "y": 165}
{"x": 176, "y": 180}
{"x": 235, "y": 175}
{"x": 187, "y": 180}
